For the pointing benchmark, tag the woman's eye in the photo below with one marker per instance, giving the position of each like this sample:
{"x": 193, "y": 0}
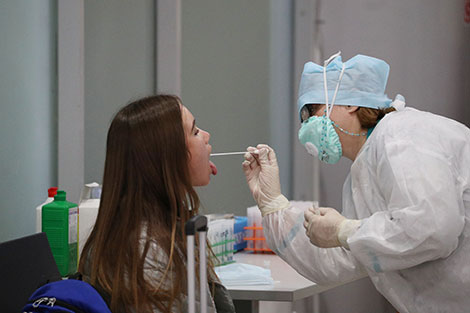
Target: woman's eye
{"x": 197, "y": 131}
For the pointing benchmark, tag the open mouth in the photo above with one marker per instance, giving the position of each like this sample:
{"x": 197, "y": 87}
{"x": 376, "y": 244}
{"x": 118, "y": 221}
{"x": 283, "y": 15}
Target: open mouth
{"x": 213, "y": 168}
{"x": 211, "y": 164}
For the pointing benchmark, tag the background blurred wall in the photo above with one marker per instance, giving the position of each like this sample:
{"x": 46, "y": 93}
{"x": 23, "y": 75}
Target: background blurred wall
{"x": 119, "y": 68}
{"x": 28, "y": 107}
{"x": 225, "y": 84}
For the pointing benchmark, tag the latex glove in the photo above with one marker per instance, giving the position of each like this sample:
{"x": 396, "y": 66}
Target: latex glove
{"x": 262, "y": 175}
{"x": 327, "y": 228}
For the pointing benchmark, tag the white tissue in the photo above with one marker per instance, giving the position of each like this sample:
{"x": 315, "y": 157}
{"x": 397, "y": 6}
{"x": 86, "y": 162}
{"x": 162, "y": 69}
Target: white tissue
{"x": 237, "y": 274}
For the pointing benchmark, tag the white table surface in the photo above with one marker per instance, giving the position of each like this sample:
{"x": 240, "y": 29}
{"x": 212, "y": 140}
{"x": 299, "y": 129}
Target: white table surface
{"x": 288, "y": 284}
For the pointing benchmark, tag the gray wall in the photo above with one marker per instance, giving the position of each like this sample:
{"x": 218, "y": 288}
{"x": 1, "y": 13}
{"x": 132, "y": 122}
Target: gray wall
{"x": 227, "y": 71}
{"x": 225, "y": 84}
{"x": 28, "y": 162}
{"x": 119, "y": 68}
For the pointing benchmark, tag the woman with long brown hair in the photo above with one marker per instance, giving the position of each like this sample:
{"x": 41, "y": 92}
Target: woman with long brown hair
{"x": 136, "y": 253}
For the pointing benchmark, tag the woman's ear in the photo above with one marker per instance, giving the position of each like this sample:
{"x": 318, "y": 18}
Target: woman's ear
{"x": 352, "y": 108}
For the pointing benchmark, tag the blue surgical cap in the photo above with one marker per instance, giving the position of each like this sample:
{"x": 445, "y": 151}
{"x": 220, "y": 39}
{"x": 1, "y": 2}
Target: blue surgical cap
{"x": 363, "y": 83}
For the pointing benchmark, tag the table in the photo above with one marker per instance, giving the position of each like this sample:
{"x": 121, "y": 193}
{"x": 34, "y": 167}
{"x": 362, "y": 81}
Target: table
{"x": 288, "y": 284}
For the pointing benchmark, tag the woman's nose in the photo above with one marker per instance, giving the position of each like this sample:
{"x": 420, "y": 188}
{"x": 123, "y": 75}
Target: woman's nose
{"x": 207, "y": 136}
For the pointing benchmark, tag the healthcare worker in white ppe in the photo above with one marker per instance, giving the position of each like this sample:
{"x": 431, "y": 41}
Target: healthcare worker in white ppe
{"x": 405, "y": 218}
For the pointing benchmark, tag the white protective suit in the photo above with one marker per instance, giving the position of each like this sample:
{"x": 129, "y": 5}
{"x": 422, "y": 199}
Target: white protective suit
{"x": 410, "y": 187}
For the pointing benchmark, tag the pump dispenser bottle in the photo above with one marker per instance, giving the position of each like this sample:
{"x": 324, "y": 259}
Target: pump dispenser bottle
{"x": 89, "y": 205}
{"x": 60, "y": 223}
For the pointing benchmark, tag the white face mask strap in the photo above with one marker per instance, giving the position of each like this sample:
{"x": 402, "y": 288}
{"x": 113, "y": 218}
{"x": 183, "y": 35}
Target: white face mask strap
{"x": 331, "y": 58}
{"x": 337, "y": 87}
{"x": 325, "y": 86}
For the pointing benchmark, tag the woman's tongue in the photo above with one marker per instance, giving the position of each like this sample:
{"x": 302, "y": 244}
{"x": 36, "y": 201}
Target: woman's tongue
{"x": 213, "y": 168}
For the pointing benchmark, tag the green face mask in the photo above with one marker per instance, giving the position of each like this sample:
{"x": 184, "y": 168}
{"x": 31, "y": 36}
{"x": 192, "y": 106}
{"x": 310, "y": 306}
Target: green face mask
{"x": 320, "y": 139}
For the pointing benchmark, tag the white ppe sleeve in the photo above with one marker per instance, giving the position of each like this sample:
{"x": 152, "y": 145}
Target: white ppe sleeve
{"x": 279, "y": 203}
{"x": 423, "y": 214}
{"x": 347, "y": 228}
{"x": 285, "y": 235}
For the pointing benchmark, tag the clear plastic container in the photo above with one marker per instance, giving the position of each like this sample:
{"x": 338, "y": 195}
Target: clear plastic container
{"x": 221, "y": 238}
{"x": 89, "y": 205}
{"x": 254, "y": 235}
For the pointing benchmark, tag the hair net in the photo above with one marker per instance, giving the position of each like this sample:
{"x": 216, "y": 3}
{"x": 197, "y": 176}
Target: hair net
{"x": 363, "y": 83}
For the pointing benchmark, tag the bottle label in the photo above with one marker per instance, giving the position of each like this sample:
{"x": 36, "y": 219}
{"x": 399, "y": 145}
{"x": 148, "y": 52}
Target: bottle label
{"x": 73, "y": 225}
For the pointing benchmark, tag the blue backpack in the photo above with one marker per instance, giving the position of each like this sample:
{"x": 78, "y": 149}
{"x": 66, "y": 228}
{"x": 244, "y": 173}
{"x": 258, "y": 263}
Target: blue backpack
{"x": 70, "y": 295}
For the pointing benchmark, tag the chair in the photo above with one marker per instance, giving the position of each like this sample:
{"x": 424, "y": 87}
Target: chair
{"x": 25, "y": 264}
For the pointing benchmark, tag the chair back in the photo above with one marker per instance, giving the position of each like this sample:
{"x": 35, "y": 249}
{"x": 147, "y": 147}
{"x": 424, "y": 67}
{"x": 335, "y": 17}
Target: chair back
{"x": 25, "y": 264}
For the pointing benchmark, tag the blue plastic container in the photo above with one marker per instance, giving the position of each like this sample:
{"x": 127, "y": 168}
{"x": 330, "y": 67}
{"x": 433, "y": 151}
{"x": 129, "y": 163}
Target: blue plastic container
{"x": 239, "y": 232}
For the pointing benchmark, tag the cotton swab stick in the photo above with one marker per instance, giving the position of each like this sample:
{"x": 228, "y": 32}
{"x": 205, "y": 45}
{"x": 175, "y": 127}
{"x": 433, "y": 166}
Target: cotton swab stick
{"x": 227, "y": 153}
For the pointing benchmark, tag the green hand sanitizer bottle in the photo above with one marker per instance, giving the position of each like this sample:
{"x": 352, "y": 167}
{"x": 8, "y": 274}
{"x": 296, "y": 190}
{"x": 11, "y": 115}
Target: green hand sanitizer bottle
{"x": 60, "y": 223}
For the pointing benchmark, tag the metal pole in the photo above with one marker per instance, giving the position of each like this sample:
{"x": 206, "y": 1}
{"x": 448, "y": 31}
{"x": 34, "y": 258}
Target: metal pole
{"x": 190, "y": 269}
{"x": 203, "y": 271}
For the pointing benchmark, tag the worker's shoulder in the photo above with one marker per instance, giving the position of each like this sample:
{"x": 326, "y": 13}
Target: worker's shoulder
{"x": 406, "y": 117}
{"x": 411, "y": 127}
{"x": 411, "y": 122}
{"x": 399, "y": 124}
